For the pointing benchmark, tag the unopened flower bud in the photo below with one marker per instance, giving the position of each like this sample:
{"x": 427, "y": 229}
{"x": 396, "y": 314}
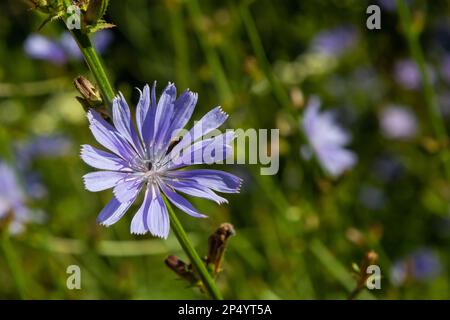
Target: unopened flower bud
{"x": 90, "y": 97}
{"x": 217, "y": 243}
{"x": 181, "y": 269}
{"x": 95, "y": 11}
{"x": 87, "y": 89}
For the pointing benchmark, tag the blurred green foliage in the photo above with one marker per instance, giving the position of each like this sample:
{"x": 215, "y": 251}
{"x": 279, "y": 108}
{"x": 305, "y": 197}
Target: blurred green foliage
{"x": 298, "y": 232}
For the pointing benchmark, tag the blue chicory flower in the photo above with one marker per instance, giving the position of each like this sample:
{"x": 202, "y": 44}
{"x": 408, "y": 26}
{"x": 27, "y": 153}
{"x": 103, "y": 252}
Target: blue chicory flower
{"x": 327, "y": 139}
{"x": 12, "y": 200}
{"x": 143, "y": 159}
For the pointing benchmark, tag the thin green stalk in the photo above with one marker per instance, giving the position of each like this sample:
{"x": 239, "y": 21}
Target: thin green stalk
{"x": 180, "y": 44}
{"x": 437, "y": 121}
{"x": 94, "y": 63}
{"x": 13, "y": 264}
{"x": 198, "y": 264}
{"x": 261, "y": 56}
{"x": 212, "y": 58}
{"x": 335, "y": 268}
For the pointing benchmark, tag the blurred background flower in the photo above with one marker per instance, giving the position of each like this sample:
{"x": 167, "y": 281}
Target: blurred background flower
{"x": 336, "y": 41}
{"x": 327, "y": 139}
{"x": 422, "y": 265}
{"x": 398, "y": 122}
{"x": 60, "y": 51}
{"x": 260, "y": 61}
{"x": 14, "y": 212}
{"x": 407, "y": 75}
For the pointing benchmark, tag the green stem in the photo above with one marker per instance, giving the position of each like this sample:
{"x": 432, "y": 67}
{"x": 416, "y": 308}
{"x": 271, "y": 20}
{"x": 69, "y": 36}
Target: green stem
{"x": 198, "y": 264}
{"x": 261, "y": 56}
{"x": 437, "y": 121}
{"x": 94, "y": 63}
{"x": 217, "y": 73}
{"x": 13, "y": 264}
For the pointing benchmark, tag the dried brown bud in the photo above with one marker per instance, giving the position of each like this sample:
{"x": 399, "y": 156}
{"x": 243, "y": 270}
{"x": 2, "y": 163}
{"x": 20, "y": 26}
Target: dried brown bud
{"x": 6, "y": 220}
{"x": 217, "y": 243}
{"x": 87, "y": 89}
{"x": 370, "y": 258}
{"x": 90, "y": 97}
{"x": 95, "y": 11}
{"x": 181, "y": 269}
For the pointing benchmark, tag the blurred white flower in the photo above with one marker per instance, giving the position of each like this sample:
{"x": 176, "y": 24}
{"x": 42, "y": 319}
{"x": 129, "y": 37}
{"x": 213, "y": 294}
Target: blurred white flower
{"x": 397, "y": 122}
{"x": 327, "y": 140}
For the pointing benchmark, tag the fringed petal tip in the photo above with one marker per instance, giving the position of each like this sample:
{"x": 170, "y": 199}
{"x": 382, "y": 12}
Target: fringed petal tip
{"x": 161, "y": 236}
{"x": 221, "y": 201}
{"x": 138, "y": 233}
{"x": 83, "y": 150}
{"x": 103, "y": 223}
{"x": 222, "y": 112}
{"x": 144, "y": 232}
{"x": 171, "y": 88}
{"x": 238, "y": 188}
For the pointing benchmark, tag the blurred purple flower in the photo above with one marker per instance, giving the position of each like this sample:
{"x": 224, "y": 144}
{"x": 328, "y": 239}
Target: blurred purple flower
{"x": 69, "y": 46}
{"x": 445, "y": 68}
{"x": 327, "y": 139}
{"x": 422, "y": 265}
{"x": 372, "y": 197}
{"x": 34, "y": 187}
{"x": 444, "y": 103}
{"x": 42, "y": 48}
{"x": 60, "y": 51}
{"x": 407, "y": 74}
{"x": 12, "y": 200}
{"x": 41, "y": 146}
{"x": 336, "y": 41}
{"x": 101, "y": 41}
{"x": 388, "y": 168}
{"x": 388, "y": 5}
{"x": 397, "y": 122}
{"x": 148, "y": 163}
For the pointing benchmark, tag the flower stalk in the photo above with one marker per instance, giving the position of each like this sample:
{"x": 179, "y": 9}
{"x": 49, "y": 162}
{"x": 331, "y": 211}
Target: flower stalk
{"x": 196, "y": 261}
{"x": 94, "y": 63}
{"x": 437, "y": 121}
